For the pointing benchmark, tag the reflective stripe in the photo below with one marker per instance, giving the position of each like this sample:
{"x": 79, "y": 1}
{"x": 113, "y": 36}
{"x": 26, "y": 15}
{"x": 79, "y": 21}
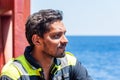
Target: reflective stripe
{"x": 29, "y": 69}
{"x": 22, "y": 70}
{"x": 55, "y": 69}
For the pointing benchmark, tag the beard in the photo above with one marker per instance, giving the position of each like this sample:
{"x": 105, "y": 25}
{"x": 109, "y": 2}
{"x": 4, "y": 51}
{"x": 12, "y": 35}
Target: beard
{"x": 60, "y": 51}
{"x": 55, "y": 54}
{"x": 60, "y": 55}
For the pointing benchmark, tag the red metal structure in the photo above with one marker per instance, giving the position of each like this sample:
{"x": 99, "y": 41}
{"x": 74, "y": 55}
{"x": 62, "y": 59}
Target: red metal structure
{"x": 13, "y": 15}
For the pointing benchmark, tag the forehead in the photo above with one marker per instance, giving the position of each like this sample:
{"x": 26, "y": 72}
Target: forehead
{"x": 57, "y": 26}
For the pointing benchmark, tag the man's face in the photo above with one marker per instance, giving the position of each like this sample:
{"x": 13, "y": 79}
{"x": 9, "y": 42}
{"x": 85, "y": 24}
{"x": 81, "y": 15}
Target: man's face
{"x": 54, "y": 41}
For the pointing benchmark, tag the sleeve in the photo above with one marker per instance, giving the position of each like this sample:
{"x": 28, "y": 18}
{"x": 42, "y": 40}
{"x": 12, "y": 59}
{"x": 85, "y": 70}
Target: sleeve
{"x": 79, "y": 72}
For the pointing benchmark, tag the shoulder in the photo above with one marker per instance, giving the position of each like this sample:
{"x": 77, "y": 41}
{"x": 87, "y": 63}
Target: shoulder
{"x": 70, "y": 58}
{"x": 10, "y": 70}
{"x": 8, "y": 66}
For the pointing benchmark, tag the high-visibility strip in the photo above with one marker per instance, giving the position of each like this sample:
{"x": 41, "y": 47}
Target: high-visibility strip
{"x": 29, "y": 69}
{"x": 22, "y": 70}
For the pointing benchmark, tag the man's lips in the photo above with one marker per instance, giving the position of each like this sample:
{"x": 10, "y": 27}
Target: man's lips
{"x": 62, "y": 47}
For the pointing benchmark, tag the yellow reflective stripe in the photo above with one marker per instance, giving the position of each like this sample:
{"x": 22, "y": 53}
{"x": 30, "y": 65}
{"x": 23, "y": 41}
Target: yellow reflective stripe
{"x": 11, "y": 71}
{"x": 55, "y": 69}
{"x": 70, "y": 58}
{"x": 19, "y": 67}
{"x": 69, "y": 53}
{"x": 28, "y": 67}
{"x": 58, "y": 68}
{"x": 38, "y": 72}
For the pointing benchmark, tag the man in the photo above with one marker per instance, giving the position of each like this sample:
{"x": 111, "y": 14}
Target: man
{"x": 45, "y": 58}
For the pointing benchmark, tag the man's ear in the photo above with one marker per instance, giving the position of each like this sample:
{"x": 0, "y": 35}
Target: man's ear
{"x": 36, "y": 40}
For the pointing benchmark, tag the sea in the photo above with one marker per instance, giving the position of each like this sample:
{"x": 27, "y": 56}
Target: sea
{"x": 100, "y": 55}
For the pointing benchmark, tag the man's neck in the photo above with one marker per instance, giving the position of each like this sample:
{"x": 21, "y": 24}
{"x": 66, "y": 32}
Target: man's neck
{"x": 45, "y": 62}
{"x": 43, "y": 59}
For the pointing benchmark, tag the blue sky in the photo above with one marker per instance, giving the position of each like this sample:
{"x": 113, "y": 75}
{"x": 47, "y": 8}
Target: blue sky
{"x": 85, "y": 17}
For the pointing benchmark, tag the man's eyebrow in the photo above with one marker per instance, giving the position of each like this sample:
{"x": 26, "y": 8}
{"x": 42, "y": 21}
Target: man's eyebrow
{"x": 55, "y": 32}
{"x": 58, "y": 31}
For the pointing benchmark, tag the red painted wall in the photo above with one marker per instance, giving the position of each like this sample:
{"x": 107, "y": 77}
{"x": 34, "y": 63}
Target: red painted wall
{"x": 13, "y": 15}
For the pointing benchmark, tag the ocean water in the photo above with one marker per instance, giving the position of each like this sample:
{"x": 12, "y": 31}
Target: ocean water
{"x": 99, "y": 54}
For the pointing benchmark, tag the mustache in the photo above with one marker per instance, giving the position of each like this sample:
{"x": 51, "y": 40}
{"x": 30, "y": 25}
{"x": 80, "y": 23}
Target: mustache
{"x": 63, "y": 45}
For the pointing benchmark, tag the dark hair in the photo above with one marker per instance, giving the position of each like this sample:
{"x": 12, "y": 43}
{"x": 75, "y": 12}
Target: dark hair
{"x": 39, "y": 23}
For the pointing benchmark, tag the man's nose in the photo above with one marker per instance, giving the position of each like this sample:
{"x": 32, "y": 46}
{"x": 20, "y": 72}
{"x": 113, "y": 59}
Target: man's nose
{"x": 64, "y": 39}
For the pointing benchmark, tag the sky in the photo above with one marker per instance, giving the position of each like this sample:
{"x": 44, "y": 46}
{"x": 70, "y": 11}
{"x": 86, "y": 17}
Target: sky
{"x": 85, "y": 17}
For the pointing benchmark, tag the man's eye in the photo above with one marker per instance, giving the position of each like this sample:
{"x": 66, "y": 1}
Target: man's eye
{"x": 57, "y": 36}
